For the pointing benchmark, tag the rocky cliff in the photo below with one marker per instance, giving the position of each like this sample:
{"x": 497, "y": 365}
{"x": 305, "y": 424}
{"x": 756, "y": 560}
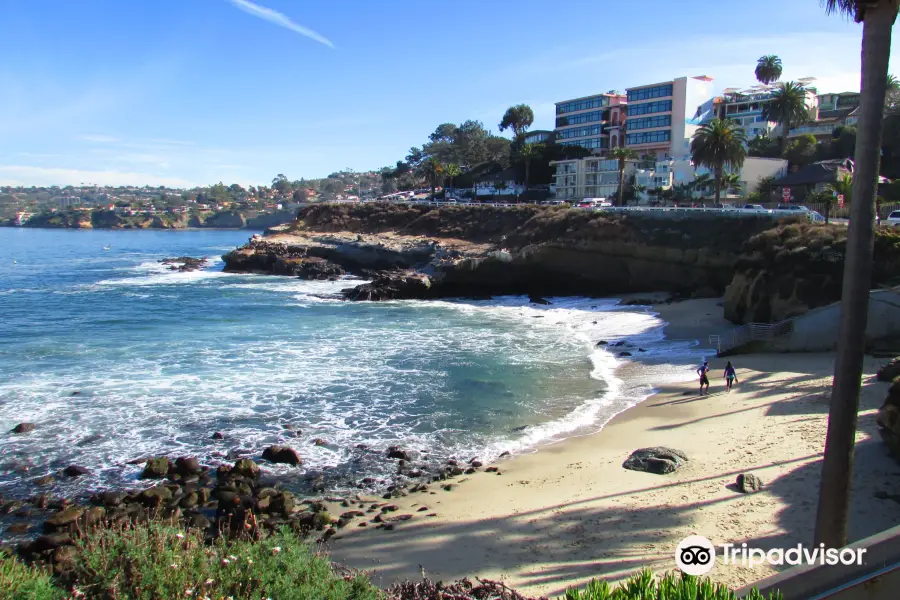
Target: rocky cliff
{"x": 107, "y": 219}
{"x": 476, "y": 251}
{"x": 791, "y": 268}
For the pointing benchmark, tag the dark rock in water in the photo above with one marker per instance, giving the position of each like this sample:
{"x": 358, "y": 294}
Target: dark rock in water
{"x": 748, "y": 483}
{"x": 491, "y": 470}
{"x": 624, "y": 353}
{"x": 475, "y": 463}
{"x": 400, "y": 453}
{"x": 602, "y": 342}
{"x": 307, "y": 267}
{"x": 520, "y": 428}
{"x": 184, "y": 263}
{"x": 156, "y": 468}
{"x": 64, "y": 519}
{"x": 659, "y": 460}
{"x": 23, "y": 428}
{"x": 187, "y": 465}
{"x": 76, "y": 393}
{"x": 110, "y": 498}
{"x": 888, "y": 372}
{"x": 538, "y": 300}
{"x": 396, "y": 285}
{"x": 18, "y": 528}
{"x": 218, "y": 435}
{"x": 75, "y": 471}
{"x": 506, "y": 453}
{"x": 282, "y": 454}
{"x": 89, "y": 440}
{"x": 617, "y": 344}
{"x": 246, "y": 468}
{"x": 155, "y": 496}
{"x": 641, "y": 350}
{"x": 319, "y": 442}
{"x": 45, "y": 480}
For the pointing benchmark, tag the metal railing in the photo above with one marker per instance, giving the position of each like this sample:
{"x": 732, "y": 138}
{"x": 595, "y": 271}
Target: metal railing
{"x": 751, "y": 332}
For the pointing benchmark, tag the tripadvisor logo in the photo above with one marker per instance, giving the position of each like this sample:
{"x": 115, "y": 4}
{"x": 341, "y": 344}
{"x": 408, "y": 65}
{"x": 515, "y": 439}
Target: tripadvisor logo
{"x": 696, "y": 555}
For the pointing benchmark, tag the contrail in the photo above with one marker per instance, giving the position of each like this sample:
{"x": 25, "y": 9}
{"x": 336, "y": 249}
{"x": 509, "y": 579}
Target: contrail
{"x": 273, "y": 16}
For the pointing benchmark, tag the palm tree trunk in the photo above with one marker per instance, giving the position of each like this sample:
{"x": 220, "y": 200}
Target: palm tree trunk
{"x": 527, "y": 172}
{"x": 787, "y": 128}
{"x": 837, "y": 466}
{"x": 718, "y": 174}
{"x": 827, "y": 211}
{"x": 621, "y": 201}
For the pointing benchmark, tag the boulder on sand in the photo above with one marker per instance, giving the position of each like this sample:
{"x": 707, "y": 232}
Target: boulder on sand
{"x": 659, "y": 460}
{"x": 889, "y": 371}
{"x": 748, "y": 483}
{"x": 282, "y": 454}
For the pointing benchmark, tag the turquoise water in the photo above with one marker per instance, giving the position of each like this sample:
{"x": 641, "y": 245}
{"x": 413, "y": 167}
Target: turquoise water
{"x": 115, "y": 357}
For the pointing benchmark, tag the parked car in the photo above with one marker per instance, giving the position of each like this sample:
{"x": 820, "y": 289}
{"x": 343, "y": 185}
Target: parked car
{"x": 753, "y": 207}
{"x": 893, "y": 219}
{"x": 792, "y": 207}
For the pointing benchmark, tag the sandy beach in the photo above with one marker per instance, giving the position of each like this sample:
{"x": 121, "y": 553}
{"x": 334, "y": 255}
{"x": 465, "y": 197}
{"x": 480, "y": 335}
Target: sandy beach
{"x": 570, "y": 512}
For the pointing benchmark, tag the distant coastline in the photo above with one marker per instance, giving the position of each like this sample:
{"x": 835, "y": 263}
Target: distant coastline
{"x": 108, "y": 219}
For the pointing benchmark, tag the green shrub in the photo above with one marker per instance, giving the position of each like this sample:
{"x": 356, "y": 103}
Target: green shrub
{"x": 644, "y": 586}
{"x": 158, "y": 561}
{"x": 21, "y": 582}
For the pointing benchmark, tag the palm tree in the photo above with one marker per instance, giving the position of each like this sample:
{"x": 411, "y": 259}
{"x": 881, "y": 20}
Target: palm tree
{"x": 639, "y": 189}
{"x": 622, "y": 155}
{"x": 452, "y": 171}
{"x": 701, "y": 182}
{"x": 717, "y": 145}
{"x": 731, "y": 182}
{"x": 787, "y": 107}
{"x": 432, "y": 169}
{"x": 877, "y": 17}
{"x": 768, "y": 69}
{"x": 518, "y": 118}
{"x": 527, "y": 153}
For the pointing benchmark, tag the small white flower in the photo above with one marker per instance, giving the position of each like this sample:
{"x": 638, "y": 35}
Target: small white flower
{"x": 275, "y": 550}
{"x": 249, "y": 561}
{"x": 232, "y": 557}
{"x": 189, "y": 592}
{"x": 209, "y": 582}
{"x": 180, "y": 536}
{"x": 174, "y": 565}
{"x": 225, "y": 561}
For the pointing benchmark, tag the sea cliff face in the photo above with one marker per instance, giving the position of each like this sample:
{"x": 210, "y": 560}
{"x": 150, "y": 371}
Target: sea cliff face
{"x": 767, "y": 270}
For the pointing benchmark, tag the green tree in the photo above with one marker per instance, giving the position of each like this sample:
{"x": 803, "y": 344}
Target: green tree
{"x": 518, "y": 118}
{"x": 825, "y": 198}
{"x": 718, "y": 145}
{"x": 892, "y": 98}
{"x": 700, "y": 183}
{"x": 877, "y": 17}
{"x": 801, "y": 150}
{"x": 763, "y": 146}
{"x": 281, "y": 184}
{"x": 622, "y": 155}
{"x": 787, "y": 108}
{"x": 768, "y": 69}
{"x": 732, "y": 182}
{"x": 527, "y": 153}
{"x": 432, "y": 171}
{"x": 451, "y": 172}
{"x": 639, "y": 189}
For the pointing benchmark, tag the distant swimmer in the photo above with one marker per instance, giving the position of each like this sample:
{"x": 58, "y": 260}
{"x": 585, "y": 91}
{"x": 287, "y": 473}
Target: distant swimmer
{"x": 703, "y": 372}
{"x": 730, "y": 376}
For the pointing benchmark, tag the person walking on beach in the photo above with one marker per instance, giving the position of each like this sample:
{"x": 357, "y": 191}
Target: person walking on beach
{"x": 703, "y": 371}
{"x": 730, "y": 376}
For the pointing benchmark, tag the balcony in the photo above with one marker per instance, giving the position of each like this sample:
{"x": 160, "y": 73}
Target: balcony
{"x": 812, "y": 130}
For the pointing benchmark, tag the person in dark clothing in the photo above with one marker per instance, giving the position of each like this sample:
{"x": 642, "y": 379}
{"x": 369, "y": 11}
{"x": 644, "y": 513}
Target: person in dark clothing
{"x": 730, "y": 376}
{"x": 703, "y": 371}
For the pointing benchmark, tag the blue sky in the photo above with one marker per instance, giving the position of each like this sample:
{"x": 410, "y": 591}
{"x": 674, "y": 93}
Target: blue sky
{"x": 178, "y": 92}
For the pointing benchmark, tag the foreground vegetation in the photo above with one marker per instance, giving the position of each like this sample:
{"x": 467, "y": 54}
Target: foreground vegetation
{"x": 160, "y": 561}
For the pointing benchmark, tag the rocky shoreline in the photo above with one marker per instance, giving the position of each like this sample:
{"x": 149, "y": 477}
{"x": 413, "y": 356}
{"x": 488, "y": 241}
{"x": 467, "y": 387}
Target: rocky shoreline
{"x": 234, "y": 498}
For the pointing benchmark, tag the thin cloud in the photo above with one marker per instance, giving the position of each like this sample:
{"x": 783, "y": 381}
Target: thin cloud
{"x": 15, "y": 174}
{"x": 99, "y": 138}
{"x": 273, "y": 16}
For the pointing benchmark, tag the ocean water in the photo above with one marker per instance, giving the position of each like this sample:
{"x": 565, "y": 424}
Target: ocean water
{"x": 115, "y": 357}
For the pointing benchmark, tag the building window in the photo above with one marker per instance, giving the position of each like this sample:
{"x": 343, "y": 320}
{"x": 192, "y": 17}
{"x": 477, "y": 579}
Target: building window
{"x": 576, "y": 105}
{"x": 649, "y": 122}
{"x": 659, "y": 91}
{"x": 590, "y": 117}
{"x": 649, "y": 137}
{"x": 590, "y": 143}
{"x": 650, "y": 108}
{"x": 565, "y": 134}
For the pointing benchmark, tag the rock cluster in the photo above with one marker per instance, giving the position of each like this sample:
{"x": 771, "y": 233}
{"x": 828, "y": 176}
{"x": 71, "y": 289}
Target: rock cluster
{"x": 396, "y": 285}
{"x": 185, "y": 263}
{"x": 889, "y": 419}
{"x": 659, "y": 460}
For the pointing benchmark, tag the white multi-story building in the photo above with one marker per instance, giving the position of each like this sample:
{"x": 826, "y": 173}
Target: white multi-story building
{"x": 662, "y": 117}
{"x": 745, "y": 107}
{"x": 591, "y": 177}
{"x": 585, "y": 121}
